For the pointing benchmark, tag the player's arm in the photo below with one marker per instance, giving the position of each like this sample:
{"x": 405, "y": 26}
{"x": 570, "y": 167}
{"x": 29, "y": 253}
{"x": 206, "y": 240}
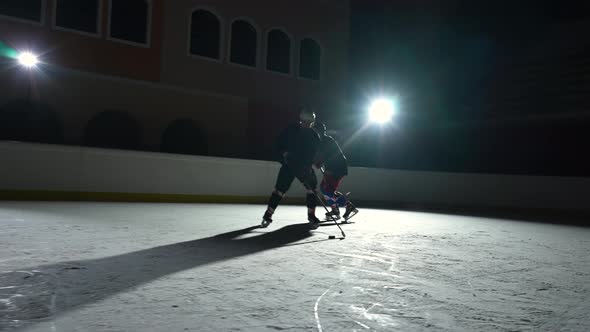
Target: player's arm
{"x": 282, "y": 142}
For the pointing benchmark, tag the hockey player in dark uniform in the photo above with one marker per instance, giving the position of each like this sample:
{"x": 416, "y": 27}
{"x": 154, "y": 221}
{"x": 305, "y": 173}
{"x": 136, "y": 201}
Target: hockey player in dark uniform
{"x": 298, "y": 145}
{"x": 335, "y": 167}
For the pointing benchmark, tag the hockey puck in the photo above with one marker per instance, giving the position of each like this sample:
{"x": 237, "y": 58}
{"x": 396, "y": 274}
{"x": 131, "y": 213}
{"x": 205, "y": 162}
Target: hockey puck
{"x": 331, "y": 237}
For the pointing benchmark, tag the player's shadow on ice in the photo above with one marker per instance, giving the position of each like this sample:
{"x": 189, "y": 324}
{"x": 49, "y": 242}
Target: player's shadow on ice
{"x": 54, "y": 289}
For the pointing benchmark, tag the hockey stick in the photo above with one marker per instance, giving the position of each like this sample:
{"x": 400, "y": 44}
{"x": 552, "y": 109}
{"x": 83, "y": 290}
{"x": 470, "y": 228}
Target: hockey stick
{"x": 318, "y": 197}
{"x": 327, "y": 211}
{"x": 325, "y": 207}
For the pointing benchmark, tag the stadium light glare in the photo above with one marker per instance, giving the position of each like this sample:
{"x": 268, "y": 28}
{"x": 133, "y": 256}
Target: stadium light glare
{"x": 28, "y": 60}
{"x": 381, "y": 110}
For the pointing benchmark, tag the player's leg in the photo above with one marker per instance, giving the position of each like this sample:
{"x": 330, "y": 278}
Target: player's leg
{"x": 340, "y": 199}
{"x": 328, "y": 187}
{"x": 327, "y": 191}
{"x": 282, "y": 185}
{"x": 308, "y": 178}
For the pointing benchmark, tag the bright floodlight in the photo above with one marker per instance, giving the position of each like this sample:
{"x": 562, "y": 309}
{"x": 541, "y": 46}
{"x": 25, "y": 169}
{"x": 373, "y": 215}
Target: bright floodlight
{"x": 27, "y": 59}
{"x": 381, "y": 110}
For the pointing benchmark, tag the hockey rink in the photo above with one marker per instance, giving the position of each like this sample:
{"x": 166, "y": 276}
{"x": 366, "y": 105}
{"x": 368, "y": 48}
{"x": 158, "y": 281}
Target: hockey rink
{"x": 208, "y": 267}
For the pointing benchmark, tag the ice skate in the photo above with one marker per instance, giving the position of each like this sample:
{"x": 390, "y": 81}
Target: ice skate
{"x": 351, "y": 211}
{"x": 314, "y": 222}
{"x": 266, "y": 220}
{"x": 333, "y": 215}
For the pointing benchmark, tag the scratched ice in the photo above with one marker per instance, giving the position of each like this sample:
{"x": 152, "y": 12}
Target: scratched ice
{"x": 199, "y": 267}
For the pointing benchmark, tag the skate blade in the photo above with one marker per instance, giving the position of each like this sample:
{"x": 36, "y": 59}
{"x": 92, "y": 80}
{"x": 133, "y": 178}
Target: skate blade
{"x": 352, "y": 214}
{"x": 332, "y": 223}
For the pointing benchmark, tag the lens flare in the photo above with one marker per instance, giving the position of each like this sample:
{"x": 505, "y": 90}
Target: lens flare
{"x": 27, "y": 59}
{"x": 381, "y": 110}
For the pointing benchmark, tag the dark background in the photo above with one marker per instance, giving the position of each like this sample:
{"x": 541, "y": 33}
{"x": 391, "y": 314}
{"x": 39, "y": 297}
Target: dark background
{"x": 493, "y": 87}
{"x": 481, "y": 86}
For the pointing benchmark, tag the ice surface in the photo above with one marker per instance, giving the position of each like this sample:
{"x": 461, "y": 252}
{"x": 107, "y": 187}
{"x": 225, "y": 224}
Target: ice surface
{"x": 203, "y": 267}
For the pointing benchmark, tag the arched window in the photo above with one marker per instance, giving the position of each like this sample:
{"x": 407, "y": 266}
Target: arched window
{"x": 113, "y": 129}
{"x": 278, "y": 52}
{"x": 244, "y": 42}
{"x": 184, "y": 136}
{"x": 205, "y": 34}
{"x": 78, "y": 15}
{"x": 21, "y": 120}
{"x": 30, "y": 10}
{"x": 129, "y": 20}
{"x": 310, "y": 59}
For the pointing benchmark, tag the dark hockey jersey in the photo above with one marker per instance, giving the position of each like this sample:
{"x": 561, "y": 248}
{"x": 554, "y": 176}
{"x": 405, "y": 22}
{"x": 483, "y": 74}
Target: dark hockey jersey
{"x": 332, "y": 157}
{"x": 301, "y": 144}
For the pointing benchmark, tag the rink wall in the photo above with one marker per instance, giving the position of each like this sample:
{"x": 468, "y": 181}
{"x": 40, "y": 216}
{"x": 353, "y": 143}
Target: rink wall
{"x": 54, "y": 172}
